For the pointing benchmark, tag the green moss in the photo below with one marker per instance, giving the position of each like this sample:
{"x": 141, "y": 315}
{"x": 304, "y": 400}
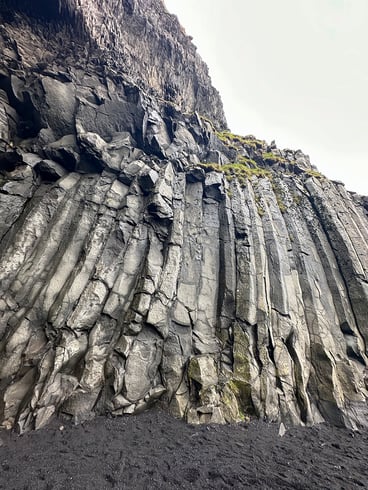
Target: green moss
{"x": 314, "y": 173}
{"x": 211, "y": 166}
{"x": 206, "y": 119}
{"x": 281, "y": 205}
{"x": 236, "y": 394}
{"x": 271, "y": 157}
{"x": 226, "y": 136}
{"x": 297, "y": 198}
{"x": 230, "y": 405}
{"x": 234, "y": 140}
{"x": 253, "y": 143}
{"x": 240, "y": 171}
{"x": 260, "y": 209}
{"x": 279, "y": 194}
{"x": 243, "y": 173}
{"x": 246, "y": 161}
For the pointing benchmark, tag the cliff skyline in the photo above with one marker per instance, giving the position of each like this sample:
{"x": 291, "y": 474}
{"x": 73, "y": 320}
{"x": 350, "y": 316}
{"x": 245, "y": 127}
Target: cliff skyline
{"x": 291, "y": 72}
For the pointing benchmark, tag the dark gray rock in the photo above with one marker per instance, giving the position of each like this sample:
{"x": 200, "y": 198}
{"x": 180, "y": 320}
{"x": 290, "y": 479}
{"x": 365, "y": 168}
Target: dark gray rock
{"x": 196, "y": 174}
{"x": 147, "y": 180}
{"x": 49, "y": 170}
{"x": 131, "y": 272}
{"x": 65, "y": 151}
{"x": 214, "y": 186}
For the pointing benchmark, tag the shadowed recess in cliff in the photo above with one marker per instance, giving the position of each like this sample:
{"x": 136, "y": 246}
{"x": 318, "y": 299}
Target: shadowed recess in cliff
{"x": 47, "y": 10}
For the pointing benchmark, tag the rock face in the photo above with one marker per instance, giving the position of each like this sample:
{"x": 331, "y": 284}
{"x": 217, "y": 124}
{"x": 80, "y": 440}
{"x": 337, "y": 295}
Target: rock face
{"x": 148, "y": 255}
{"x": 136, "y": 39}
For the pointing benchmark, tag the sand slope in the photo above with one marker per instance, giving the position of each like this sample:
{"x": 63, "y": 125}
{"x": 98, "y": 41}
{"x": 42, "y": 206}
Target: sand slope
{"x": 153, "y": 450}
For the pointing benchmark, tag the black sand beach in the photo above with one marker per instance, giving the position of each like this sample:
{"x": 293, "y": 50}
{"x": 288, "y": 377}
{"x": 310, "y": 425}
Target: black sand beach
{"x": 154, "y": 451}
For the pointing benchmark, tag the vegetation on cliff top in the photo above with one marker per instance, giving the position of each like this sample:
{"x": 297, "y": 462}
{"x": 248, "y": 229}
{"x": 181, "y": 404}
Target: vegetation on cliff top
{"x": 237, "y": 170}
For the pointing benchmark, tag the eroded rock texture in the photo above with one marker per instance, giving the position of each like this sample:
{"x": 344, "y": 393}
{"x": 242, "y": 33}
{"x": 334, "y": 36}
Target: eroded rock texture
{"x": 146, "y": 254}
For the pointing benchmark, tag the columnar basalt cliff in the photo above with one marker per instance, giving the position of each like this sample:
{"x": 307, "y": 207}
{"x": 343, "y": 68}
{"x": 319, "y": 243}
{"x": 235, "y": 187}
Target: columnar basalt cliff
{"x": 147, "y": 254}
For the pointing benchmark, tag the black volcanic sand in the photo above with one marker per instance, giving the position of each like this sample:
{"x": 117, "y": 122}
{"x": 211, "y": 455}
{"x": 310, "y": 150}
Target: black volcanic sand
{"x": 153, "y": 450}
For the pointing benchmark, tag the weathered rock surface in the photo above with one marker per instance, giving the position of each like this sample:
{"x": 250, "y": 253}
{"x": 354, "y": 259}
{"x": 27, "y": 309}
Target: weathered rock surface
{"x": 147, "y": 255}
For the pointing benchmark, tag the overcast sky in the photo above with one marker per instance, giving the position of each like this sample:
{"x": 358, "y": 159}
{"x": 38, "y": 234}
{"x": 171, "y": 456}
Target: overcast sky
{"x": 291, "y": 70}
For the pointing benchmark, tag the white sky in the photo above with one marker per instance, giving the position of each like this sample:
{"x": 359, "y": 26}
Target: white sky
{"x": 291, "y": 70}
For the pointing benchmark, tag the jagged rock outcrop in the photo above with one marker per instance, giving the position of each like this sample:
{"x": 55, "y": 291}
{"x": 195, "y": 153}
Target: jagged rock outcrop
{"x": 138, "y": 39}
{"x": 147, "y": 254}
